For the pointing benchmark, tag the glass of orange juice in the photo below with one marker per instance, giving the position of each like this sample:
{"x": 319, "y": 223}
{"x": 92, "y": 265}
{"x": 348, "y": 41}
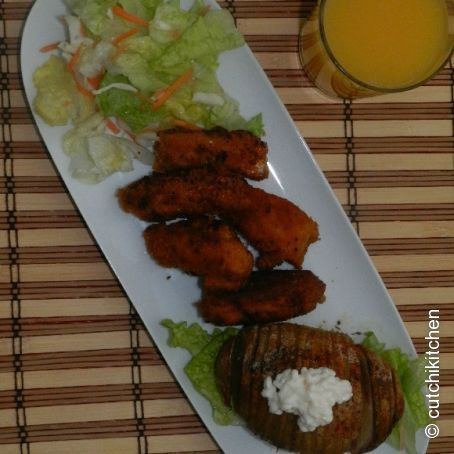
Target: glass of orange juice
{"x": 358, "y": 48}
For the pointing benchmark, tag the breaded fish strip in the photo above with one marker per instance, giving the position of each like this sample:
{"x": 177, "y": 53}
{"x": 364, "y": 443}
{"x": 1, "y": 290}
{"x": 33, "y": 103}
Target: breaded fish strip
{"x": 235, "y": 151}
{"x": 204, "y": 247}
{"x": 268, "y": 296}
{"x": 278, "y": 229}
{"x": 162, "y": 197}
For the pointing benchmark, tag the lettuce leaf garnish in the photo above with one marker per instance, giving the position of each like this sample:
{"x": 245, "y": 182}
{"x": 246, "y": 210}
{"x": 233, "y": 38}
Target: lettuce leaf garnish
{"x": 204, "y": 348}
{"x": 412, "y": 376}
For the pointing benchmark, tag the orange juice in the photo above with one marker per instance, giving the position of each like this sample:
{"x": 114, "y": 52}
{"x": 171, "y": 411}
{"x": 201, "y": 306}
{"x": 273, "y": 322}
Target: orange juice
{"x": 360, "y": 47}
{"x": 387, "y": 43}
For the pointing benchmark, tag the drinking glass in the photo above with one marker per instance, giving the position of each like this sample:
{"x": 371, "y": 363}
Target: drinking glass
{"x": 326, "y": 64}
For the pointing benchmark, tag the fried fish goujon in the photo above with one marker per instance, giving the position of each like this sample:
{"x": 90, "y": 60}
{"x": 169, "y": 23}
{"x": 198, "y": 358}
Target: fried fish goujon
{"x": 268, "y": 296}
{"x": 236, "y": 151}
{"x": 204, "y": 247}
{"x": 359, "y": 425}
{"x": 277, "y": 228}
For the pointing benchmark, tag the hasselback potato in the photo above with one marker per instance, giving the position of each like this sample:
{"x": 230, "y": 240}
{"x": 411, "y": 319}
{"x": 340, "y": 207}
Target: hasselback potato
{"x": 359, "y": 425}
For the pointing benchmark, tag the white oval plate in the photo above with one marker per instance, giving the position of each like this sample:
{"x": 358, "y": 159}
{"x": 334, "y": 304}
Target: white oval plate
{"x": 355, "y": 294}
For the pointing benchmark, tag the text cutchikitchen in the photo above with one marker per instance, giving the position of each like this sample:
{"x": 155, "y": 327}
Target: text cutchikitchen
{"x": 433, "y": 364}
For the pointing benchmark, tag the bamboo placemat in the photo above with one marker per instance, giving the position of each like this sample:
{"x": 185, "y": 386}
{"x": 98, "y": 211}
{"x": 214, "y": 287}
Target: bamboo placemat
{"x": 78, "y": 373}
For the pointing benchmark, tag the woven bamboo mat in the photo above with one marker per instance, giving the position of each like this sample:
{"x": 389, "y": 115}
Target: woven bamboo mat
{"x": 78, "y": 373}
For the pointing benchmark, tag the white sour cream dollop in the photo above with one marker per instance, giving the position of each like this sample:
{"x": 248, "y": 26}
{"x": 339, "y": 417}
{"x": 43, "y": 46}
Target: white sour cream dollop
{"x": 311, "y": 394}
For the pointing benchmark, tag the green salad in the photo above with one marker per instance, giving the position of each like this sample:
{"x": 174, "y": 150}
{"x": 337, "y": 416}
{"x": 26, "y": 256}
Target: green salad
{"x": 129, "y": 68}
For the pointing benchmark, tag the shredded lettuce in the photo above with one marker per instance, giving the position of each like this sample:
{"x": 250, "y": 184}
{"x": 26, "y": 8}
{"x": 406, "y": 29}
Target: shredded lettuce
{"x": 95, "y": 154}
{"x": 93, "y": 13}
{"x": 207, "y": 37}
{"x": 175, "y": 41}
{"x": 127, "y": 106}
{"x": 137, "y": 69}
{"x": 142, "y": 8}
{"x": 170, "y": 21}
{"x": 412, "y": 376}
{"x": 204, "y": 348}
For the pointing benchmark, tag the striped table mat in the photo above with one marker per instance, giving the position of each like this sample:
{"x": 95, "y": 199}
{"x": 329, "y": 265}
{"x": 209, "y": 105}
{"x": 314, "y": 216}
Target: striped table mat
{"x": 78, "y": 373}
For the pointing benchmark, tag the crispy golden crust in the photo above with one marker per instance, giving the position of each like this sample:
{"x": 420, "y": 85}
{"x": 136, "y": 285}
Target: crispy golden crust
{"x": 277, "y": 228}
{"x": 268, "y": 296}
{"x": 204, "y": 247}
{"x": 162, "y": 197}
{"x": 235, "y": 151}
{"x": 359, "y": 424}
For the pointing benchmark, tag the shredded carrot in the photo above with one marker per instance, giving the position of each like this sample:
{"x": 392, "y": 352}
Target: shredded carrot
{"x": 83, "y": 90}
{"x": 162, "y": 96}
{"x": 119, "y": 50}
{"x": 70, "y": 65}
{"x": 74, "y": 59}
{"x": 185, "y": 124}
{"x": 50, "y": 47}
{"x": 125, "y": 35}
{"x": 95, "y": 81}
{"x": 78, "y": 83}
{"x": 120, "y": 12}
{"x": 112, "y": 126}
